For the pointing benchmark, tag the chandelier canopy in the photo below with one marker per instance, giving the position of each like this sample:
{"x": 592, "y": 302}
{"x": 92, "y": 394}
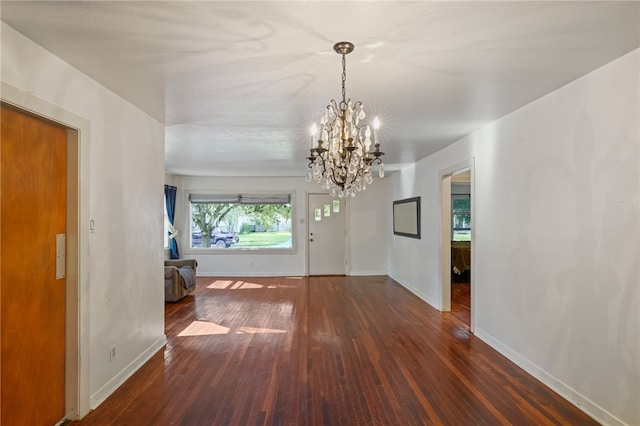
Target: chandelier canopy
{"x": 342, "y": 157}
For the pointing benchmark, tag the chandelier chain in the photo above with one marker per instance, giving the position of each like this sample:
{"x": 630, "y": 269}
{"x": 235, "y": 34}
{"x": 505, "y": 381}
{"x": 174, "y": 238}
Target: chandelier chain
{"x": 344, "y": 78}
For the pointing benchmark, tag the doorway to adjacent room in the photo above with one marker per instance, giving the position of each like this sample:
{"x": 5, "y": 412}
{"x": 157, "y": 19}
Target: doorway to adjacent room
{"x": 457, "y": 242}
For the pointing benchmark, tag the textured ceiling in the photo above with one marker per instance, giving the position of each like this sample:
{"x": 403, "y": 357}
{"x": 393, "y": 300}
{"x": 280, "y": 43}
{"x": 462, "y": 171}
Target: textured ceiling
{"x": 238, "y": 84}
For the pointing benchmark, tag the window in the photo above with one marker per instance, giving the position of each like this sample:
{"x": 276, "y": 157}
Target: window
{"x": 461, "y": 217}
{"x": 241, "y": 221}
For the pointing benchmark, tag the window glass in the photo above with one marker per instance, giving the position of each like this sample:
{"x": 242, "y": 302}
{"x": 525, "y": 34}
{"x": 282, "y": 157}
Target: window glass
{"x": 243, "y": 221}
{"x": 327, "y": 210}
{"x": 461, "y": 217}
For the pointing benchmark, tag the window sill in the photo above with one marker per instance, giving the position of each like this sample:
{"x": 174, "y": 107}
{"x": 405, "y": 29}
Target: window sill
{"x": 239, "y": 251}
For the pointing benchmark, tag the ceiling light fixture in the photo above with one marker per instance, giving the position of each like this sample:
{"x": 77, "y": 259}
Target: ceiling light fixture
{"x": 341, "y": 159}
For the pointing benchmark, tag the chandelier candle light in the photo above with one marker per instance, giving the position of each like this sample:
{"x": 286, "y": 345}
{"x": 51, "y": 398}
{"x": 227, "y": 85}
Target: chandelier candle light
{"x": 341, "y": 159}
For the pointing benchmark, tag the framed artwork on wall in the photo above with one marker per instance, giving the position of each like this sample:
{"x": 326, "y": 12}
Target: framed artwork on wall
{"x": 406, "y": 217}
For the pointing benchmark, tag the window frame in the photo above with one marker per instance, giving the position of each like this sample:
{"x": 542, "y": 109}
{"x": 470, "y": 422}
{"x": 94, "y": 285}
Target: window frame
{"x": 239, "y": 250}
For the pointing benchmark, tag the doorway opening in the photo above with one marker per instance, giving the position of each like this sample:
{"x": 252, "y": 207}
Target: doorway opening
{"x": 457, "y": 246}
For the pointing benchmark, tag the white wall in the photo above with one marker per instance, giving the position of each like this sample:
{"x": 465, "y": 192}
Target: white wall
{"x": 122, "y": 156}
{"x": 556, "y": 234}
{"x": 367, "y": 228}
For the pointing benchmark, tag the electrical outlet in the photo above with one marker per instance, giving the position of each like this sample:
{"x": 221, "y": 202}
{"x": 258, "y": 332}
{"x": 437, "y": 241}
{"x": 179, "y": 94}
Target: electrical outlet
{"x": 112, "y": 353}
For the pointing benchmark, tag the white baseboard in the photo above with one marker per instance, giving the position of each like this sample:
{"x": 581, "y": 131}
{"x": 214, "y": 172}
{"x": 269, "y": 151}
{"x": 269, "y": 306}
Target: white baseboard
{"x": 416, "y": 292}
{"x": 366, "y": 273}
{"x": 103, "y": 393}
{"x": 279, "y": 274}
{"x": 252, "y": 273}
{"x": 580, "y": 401}
{"x": 595, "y": 411}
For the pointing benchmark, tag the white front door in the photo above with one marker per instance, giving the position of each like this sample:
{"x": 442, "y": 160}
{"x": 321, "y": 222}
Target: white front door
{"x": 327, "y": 229}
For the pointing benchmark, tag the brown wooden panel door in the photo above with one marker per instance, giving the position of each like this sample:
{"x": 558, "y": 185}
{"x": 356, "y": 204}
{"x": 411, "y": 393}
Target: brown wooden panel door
{"x": 33, "y": 198}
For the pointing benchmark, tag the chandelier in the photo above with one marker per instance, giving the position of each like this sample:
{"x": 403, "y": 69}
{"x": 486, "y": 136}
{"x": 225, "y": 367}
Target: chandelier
{"x": 342, "y": 158}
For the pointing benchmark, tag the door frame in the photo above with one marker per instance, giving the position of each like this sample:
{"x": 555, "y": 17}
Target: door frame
{"x": 347, "y": 254}
{"x": 77, "y": 390}
{"x": 445, "y": 245}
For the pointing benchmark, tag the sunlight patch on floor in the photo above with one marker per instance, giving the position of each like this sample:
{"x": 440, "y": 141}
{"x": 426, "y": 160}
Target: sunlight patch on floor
{"x": 236, "y": 285}
{"x": 220, "y": 284}
{"x": 203, "y": 328}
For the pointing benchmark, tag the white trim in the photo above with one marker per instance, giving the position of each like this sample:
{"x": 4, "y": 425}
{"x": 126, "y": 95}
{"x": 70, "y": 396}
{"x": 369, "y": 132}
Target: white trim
{"x": 214, "y": 251}
{"x": 103, "y": 393}
{"x": 445, "y": 243}
{"x": 564, "y": 390}
{"x": 368, "y": 273}
{"x": 252, "y": 273}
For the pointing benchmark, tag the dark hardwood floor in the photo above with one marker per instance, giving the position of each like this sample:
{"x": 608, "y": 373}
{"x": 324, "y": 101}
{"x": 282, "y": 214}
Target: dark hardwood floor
{"x": 325, "y": 351}
{"x": 461, "y": 302}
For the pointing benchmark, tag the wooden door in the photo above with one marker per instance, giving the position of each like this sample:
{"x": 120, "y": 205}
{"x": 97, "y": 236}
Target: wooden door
{"x": 32, "y": 300}
{"x": 327, "y": 228}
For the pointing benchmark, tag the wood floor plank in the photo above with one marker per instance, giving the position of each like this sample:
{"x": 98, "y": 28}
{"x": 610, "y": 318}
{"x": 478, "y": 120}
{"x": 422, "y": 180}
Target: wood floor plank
{"x": 325, "y": 351}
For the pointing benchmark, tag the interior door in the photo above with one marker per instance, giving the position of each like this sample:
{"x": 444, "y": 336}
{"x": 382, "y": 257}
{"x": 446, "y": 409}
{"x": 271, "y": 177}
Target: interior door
{"x": 32, "y": 216}
{"x": 327, "y": 230}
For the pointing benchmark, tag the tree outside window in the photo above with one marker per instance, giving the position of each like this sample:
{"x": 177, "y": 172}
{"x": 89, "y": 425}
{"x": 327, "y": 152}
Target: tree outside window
{"x": 241, "y": 221}
{"x": 461, "y": 217}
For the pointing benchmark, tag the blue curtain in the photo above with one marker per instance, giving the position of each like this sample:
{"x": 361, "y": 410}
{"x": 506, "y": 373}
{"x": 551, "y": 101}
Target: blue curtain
{"x": 170, "y": 201}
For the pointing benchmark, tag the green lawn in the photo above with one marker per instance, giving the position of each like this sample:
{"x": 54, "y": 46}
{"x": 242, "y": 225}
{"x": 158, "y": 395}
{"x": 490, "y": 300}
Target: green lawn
{"x": 262, "y": 239}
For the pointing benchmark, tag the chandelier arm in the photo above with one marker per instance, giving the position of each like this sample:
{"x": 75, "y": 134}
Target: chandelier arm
{"x": 361, "y": 139}
{"x": 330, "y": 172}
{"x": 336, "y": 181}
{"x": 333, "y": 105}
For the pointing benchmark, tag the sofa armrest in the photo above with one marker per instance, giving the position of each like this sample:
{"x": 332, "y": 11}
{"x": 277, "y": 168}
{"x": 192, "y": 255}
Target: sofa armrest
{"x": 170, "y": 271}
{"x": 182, "y": 262}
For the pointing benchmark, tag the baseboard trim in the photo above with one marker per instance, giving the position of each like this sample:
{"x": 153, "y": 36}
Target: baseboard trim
{"x": 103, "y": 393}
{"x": 416, "y": 292}
{"x": 216, "y": 274}
{"x": 580, "y": 401}
{"x": 576, "y": 398}
{"x": 367, "y": 273}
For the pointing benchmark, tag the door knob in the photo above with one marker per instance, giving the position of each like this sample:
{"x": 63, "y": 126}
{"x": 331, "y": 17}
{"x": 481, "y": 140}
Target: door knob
{"x": 311, "y": 239}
